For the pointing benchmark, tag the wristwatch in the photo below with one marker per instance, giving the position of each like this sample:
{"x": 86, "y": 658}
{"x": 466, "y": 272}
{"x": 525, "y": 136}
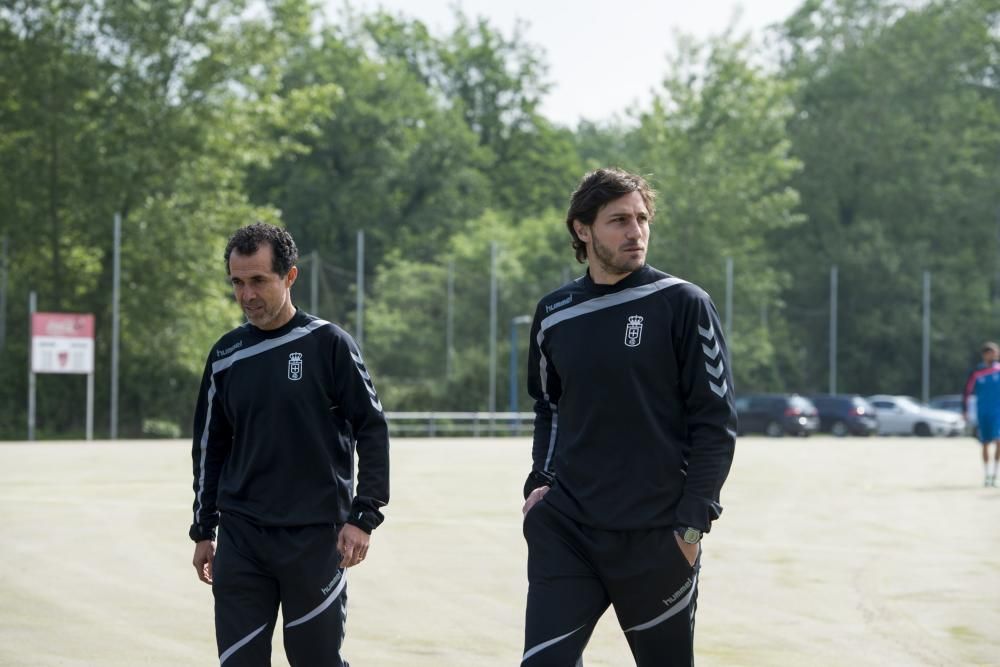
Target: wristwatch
{"x": 689, "y": 535}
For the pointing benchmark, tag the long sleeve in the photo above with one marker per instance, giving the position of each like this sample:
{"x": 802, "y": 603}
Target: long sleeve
{"x": 545, "y": 387}
{"x": 707, "y": 391}
{"x": 213, "y": 436}
{"x": 363, "y": 409}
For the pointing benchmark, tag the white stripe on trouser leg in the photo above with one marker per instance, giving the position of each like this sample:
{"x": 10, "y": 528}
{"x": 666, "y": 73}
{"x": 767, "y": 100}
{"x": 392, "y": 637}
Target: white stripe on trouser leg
{"x": 240, "y": 644}
{"x": 544, "y": 645}
{"x": 322, "y": 607}
{"x": 672, "y": 611}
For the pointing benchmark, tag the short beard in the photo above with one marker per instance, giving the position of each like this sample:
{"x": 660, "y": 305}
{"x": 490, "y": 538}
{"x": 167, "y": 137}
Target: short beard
{"x": 605, "y": 256}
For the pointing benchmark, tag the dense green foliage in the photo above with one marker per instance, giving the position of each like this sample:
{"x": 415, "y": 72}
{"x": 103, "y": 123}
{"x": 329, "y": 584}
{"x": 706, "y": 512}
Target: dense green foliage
{"x": 866, "y": 136}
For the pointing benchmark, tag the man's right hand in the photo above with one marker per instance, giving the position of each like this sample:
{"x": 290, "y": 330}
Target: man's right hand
{"x": 533, "y": 498}
{"x": 204, "y": 556}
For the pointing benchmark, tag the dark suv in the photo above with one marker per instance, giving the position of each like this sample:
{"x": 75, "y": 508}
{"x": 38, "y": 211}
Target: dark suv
{"x": 777, "y": 414}
{"x": 845, "y": 414}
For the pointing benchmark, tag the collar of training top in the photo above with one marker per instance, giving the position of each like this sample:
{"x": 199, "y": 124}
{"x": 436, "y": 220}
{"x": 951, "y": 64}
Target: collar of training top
{"x": 640, "y": 276}
{"x": 298, "y": 319}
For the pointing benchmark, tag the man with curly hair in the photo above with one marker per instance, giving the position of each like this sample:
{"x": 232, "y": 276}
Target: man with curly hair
{"x": 285, "y": 402}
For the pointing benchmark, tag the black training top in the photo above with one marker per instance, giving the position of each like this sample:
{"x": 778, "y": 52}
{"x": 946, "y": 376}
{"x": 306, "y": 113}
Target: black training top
{"x": 634, "y": 409}
{"x": 278, "y": 418}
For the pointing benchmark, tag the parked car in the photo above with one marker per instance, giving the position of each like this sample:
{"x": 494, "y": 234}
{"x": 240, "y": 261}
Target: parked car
{"x": 777, "y": 414}
{"x": 845, "y": 414}
{"x": 902, "y": 415}
{"x": 953, "y": 403}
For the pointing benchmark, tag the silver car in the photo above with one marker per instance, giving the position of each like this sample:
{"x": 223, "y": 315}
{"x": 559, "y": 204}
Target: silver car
{"x": 902, "y": 415}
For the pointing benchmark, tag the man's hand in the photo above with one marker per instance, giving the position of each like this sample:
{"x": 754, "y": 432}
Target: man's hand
{"x": 204, "y": 556}
{"x": 690, "y": 551}
{"x": 352, "y": 544}
{"x": 533, "y": 498}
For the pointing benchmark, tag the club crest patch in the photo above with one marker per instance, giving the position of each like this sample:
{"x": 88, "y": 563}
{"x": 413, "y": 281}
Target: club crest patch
{"x": 295, "y": 366}
{"x": 633, "y": 331}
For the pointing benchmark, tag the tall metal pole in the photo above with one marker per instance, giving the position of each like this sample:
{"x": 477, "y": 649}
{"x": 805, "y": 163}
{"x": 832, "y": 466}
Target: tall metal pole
{"x": 996, "y": 285}
{"x": 314, "y": 284}
{"x": 926, "y": 384}
{"x": 3, "y": 293}
{"x": 520, "y": 319}
{"x": 359, "y": 315}
{"x": 996, "y": 276}
{"x": 729, "y": 298}
{"x": 90, "y": 405}
{"x": 32, "y": 307}
{"x": 449, "y": 333}
{"x": 115, "y": 323}
{"x": 833, "y": 328}
{"x": 513, "y": 365}
{"x": 493, "y": 332}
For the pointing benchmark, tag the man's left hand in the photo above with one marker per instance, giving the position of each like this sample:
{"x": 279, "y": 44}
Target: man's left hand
{"x": 690, "y": 551}
{"x": 352, "y": 544}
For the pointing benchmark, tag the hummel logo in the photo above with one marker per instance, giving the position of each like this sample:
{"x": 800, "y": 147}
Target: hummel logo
{"x": 329, "y": 587}
{"x": 680, "y": 592}
{"x": 559, "y": 304}
{"x": 235, "y": 346}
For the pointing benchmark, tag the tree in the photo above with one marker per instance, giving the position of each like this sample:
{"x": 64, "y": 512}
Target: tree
{"x": 715, "y": 144}
{"x": 496, "y": 82}
{"x": 900, "y": 135}
{"x": 391, "y": 161}
{"x": 407, "y": 321}
{"x": 142, "y": 110}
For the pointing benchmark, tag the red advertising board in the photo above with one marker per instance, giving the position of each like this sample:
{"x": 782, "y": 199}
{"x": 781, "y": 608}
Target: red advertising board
{"x": 62, "y": 343}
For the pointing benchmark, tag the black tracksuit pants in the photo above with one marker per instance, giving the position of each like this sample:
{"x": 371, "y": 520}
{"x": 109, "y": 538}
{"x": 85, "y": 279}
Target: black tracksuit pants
{"x": 576, "y": 572}
{"x": 256, "y": 568}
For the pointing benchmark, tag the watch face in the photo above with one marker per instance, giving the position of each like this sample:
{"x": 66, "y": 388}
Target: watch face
{"x": 691, "y": 536}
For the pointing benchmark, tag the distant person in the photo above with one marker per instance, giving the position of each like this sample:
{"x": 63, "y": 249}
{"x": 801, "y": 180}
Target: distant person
{"x": 284, "y": 401}
{"x": 984, "y": 384}
{"x": 634, "y": 436}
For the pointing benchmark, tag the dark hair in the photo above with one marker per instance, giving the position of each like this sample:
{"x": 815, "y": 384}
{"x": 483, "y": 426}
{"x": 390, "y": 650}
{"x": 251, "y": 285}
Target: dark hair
{"x": 246, "y": 241}
{"x": 596, "y": 190}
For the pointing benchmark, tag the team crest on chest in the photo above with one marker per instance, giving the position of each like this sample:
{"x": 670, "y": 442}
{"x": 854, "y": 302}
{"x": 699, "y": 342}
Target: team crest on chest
{"x": 633, "y": 331}
{"x": 295, "y": 366}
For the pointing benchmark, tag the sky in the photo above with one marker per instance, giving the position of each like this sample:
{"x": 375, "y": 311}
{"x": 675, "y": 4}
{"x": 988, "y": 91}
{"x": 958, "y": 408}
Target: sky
{"x": 588, "y": 40}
